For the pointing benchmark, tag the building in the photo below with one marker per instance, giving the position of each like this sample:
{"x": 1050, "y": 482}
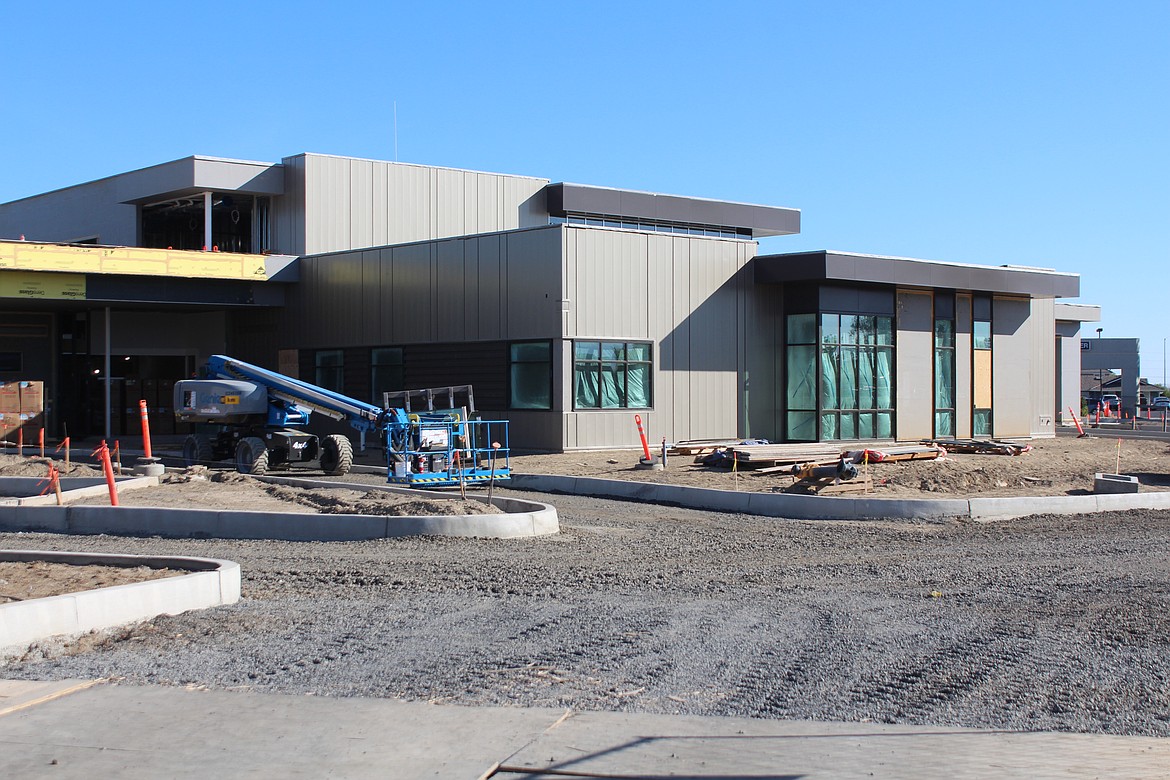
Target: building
{"x": 570, "y": 308}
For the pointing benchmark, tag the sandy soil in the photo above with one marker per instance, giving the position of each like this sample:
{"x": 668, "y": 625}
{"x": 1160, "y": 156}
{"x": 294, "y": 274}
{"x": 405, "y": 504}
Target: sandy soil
{"x": 1054, "y": 467}
{"x": 225, "y": 489}
{"x": 21, "y": 581}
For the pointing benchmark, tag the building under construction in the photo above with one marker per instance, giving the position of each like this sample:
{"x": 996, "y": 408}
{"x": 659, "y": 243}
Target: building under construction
{"x": 569, "y": 308}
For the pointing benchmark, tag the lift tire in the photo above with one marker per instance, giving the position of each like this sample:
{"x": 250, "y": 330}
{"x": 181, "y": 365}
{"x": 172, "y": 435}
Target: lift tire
{"x": 197, "y": 450}
{"x": 252, "y": 456}
{"x": 336, "y": 455}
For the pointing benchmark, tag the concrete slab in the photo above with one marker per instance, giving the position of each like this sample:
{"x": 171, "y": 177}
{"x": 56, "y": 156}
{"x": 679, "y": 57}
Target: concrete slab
{"x": 139, "y": 733}
{"x": 18, "y": 694}
{"x": 598, "y": 744}
{"x": 147, "y": 732}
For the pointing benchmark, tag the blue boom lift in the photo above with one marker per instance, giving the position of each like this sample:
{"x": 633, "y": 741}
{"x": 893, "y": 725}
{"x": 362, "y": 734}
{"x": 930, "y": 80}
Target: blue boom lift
{"x": 257, "y": 417}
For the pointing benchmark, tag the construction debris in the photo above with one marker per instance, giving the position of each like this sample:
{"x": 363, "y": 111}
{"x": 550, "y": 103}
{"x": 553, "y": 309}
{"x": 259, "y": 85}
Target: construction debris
{"x": 980, "y": 446}
{"x": 825, "y": 480}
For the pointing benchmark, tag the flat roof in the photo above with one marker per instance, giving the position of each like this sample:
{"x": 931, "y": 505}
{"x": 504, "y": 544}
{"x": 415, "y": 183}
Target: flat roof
{"x": 851, "y": 267}
{"x": 564, "y": 199}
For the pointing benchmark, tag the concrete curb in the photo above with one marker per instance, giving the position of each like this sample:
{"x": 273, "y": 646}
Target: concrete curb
{"x": 798, "y": 507}
{"x": 210, "y": 583}
{"x": 520, "y": 518}
{"x": 27, "y": 489}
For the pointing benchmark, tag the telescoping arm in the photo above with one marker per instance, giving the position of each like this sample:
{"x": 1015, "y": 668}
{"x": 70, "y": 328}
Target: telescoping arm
{"x": 311, "y": 398}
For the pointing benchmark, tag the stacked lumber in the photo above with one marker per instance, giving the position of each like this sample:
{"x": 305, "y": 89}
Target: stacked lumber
{"x": 705, "y": 446}
{"x": 766, "y": 455}
{"x": 980, "y": 446}
{"x": 894, "y": 454}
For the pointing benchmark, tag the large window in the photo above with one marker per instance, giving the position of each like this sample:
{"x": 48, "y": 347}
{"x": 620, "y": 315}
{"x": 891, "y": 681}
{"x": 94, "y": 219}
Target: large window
{"x": 530, "y": 375}
{"x": 387, "y": 372}
{"x": 330, "y": 369}
{"x": 944, "y": 365}
{"x": 611, "y": 375}
{"x": 840, "y": 377}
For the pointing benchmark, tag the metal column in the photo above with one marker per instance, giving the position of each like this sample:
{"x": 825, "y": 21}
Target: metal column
{"x": 207, "y": 221}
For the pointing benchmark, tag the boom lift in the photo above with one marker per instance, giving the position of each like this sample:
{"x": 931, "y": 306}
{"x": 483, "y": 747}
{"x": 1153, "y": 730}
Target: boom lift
{"x": 259, "y": 418}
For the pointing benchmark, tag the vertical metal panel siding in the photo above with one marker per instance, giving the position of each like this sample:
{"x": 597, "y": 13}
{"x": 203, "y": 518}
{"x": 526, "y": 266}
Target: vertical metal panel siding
{"x": 1042, "y": 328}
{"x": 450, "y": 306}
{"x": 533, "y": 284}
{"x": 1011, "y": 370}
{"x": 361, "y": 199}
{"x": 914, "y": 356}
{"x": 681, "y": 293}
{"x": 490, "y": 289}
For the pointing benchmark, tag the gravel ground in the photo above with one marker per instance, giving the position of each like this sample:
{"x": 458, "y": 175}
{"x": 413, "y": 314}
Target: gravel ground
{"x": 1045, "y": 623}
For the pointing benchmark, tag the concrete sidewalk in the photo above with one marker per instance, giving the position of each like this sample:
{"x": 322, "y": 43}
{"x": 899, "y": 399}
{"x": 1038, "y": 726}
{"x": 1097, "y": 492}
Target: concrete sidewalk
{"x": 73, "y": 729}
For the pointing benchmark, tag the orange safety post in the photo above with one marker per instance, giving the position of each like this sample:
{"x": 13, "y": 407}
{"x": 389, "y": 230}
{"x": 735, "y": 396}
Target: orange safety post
{"x": 41, "y": 440}
{"x": 642, "y": 434}
{"x": 118, "y": 457}
{"x": 145, "y": 427}
{"x": 1080, "y": 430}
{"x": 103, "y": 454}
{"x": 20, "y": 440}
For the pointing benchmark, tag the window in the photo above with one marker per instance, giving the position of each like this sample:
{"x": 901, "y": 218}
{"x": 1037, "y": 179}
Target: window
{"x": 530, "y": 375}
{"x": 981, "y": 367}
{"x": 330, "y": 369}
{"x": 387, "y": 372}
{"x": 611, "y": 375}
{"x": 840, "y": 369}
{"x": 944, "y": 365}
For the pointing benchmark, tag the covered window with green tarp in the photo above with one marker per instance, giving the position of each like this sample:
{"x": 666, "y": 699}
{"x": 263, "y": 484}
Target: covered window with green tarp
{"x": 839, "y": 377}
{"x": 611, "y": 375}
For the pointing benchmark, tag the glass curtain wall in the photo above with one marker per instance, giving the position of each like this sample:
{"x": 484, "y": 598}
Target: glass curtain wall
{"x": 944, "y": 365}
{"x": 840, "y": 377}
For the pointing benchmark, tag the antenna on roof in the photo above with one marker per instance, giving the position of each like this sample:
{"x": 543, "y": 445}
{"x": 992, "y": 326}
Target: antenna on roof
{"x": 395, "y": 131}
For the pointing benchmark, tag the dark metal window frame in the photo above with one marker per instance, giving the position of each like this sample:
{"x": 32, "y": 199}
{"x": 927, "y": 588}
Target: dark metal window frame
{"x": 625, "y": 362}
{"x": 512, "y": 361}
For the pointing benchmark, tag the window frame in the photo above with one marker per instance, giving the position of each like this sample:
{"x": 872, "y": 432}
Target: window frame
{"x": 622, "y": 364}
{"x": 513, "y": 362}
{"x": 339, "y": 368}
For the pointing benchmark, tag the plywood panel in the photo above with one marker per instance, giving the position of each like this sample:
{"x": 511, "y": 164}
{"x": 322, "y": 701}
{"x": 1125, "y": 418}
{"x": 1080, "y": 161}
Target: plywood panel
{"x": 982, "y": 379}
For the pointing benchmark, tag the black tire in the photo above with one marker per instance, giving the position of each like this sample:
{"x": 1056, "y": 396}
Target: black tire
{"x": 252, "y": 456}
{"x": 197, "y": 450}
{"x": 336, "y": 455}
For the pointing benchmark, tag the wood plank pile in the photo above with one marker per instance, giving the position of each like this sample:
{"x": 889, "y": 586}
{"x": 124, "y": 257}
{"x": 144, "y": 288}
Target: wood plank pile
{"x": 980, "y": 446}
{"x": 894, "y": 454}
{"x": 701, "y": 446}
{"x": 830, "y": 486}
{"x": 765, "y": 455}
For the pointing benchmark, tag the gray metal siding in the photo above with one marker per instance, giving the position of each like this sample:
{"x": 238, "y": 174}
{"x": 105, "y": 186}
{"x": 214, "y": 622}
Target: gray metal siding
{"x": 1011, "y": 365}
{"x": 682, "y": 293}
{"x": 352, "y": 203}
{"x": 914, "y": 355}
{"x": 1042, "y": 333}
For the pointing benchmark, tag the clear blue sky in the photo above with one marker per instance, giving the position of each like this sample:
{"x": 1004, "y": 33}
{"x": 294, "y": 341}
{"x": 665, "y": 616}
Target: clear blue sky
{"x": 1030, "y": 133}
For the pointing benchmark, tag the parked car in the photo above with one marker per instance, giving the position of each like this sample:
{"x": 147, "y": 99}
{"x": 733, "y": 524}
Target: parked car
{"x": 1160, "y": 404}
{"x": 1110, "y": 402}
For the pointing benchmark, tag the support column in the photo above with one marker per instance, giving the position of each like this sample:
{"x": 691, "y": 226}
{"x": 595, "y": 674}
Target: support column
{"x": 207, "y": 221}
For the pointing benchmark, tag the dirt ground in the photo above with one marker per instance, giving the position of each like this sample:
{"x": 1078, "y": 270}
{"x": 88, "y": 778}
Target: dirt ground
{"x": 21, "y": 581}
{"x": 1054, "y": 467}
